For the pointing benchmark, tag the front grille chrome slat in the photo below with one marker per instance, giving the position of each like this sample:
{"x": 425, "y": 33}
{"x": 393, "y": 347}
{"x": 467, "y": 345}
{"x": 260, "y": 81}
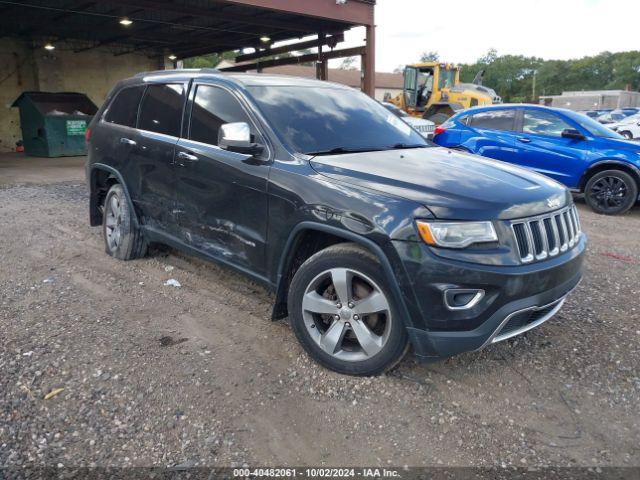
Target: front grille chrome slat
{"x": 545, "y": 241}
{"x": 546, "y": 236}
{"x": 569, "y": 223}
{"x": 555, "y": 249}
{"x": 565, "y": 233}
{"x": 574, "y": 220}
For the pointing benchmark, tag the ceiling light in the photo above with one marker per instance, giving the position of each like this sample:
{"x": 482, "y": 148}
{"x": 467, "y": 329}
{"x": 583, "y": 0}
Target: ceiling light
{"x": 265, "y": 39}
{"x": 172, "y": 57}
{"x": 125, "y": 21}
{"x": 49, "y": 47}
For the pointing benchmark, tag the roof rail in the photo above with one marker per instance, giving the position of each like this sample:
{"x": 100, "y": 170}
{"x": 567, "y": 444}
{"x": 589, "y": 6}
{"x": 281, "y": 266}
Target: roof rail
{"x": 181, "y": 70}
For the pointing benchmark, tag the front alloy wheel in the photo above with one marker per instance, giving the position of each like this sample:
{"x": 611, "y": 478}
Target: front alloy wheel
{"x": 611, "y": 192}
{"x": 346, "y": 314}
{"x": 343, "y": 314}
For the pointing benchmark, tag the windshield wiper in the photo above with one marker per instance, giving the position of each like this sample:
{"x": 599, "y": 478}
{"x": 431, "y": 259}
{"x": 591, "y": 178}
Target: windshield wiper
{"x": 402, "y": 146}
{"x": 339, "y": 150}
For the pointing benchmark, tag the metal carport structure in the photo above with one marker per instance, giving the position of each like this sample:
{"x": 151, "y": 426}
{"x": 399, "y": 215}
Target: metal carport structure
{"x": 187, "y": 28}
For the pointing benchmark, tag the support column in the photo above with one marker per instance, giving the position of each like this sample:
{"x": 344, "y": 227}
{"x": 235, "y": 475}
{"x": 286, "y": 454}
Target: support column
{"x": 321, "y": 64}
{"x": 369, "y": 63}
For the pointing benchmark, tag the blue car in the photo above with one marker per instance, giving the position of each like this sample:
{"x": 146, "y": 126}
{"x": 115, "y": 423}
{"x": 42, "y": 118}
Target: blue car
{"x": 567, "y": 146}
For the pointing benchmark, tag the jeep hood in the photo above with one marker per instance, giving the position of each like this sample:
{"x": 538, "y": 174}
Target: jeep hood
{"x": 453, "y": 185}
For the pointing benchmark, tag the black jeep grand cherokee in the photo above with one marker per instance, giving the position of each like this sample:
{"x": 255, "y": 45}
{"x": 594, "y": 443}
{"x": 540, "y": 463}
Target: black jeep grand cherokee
{"x": 372, "y": 239}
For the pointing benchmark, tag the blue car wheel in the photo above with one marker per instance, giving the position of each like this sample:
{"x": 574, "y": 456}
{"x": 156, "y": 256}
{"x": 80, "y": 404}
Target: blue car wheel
{"x": 611, "y": 192}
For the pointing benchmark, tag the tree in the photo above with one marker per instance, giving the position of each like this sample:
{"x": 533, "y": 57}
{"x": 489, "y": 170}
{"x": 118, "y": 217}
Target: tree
{"x": 431, "y": 56}
{"x": 348, "y": 63}
{"x": 511, "y": 76}
{"x": 489, "y": 57}
{"x": 209, "y": 61}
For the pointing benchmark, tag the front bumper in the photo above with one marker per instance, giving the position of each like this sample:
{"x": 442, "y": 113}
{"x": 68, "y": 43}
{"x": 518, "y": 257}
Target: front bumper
{"x": 517, "y": 299}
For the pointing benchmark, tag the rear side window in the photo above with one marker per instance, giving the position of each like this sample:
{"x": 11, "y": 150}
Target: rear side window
{"x": 212, "y": 108}
{"x": 161, "y": 109}
{"x": 543, "y": 123}
{"x": 124, "y": 107}
{"x": 494, "y": 120}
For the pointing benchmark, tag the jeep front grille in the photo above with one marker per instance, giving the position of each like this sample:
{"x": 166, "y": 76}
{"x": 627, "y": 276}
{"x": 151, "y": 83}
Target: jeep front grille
{"x": 425, "y": 128}
{"x": 547, "y": 235}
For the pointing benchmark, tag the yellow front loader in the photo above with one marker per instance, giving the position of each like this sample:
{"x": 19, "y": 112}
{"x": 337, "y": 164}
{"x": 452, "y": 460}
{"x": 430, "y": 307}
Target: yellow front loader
{"x": 433, "y": 91}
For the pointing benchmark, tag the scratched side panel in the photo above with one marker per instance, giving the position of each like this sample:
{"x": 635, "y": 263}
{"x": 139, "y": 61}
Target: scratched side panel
{"x": 297, "y": 194}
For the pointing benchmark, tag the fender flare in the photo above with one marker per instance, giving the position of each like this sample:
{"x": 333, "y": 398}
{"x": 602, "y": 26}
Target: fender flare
{"x": 614, "y": 163}
{"x": 285, "y": 263}
{"x": 118, "y": 175}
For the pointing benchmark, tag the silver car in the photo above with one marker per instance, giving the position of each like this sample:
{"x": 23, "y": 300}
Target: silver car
{"x": 424, "y": 127}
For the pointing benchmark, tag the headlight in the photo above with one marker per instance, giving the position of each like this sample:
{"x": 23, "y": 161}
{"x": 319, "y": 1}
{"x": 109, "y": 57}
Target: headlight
{"x": 456, "y": 234}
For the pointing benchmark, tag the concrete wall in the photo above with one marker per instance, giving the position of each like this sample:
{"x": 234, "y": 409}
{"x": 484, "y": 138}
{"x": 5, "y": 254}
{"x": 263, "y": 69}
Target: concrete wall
{"x": 17, "y": 74}
{"x": 93, "y": 72}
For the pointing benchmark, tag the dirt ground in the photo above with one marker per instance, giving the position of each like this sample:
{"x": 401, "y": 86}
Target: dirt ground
{"x": 199, "y": 375}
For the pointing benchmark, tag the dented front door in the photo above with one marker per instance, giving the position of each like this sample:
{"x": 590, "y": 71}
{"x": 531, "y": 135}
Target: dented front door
{"x": 221, "y": 195}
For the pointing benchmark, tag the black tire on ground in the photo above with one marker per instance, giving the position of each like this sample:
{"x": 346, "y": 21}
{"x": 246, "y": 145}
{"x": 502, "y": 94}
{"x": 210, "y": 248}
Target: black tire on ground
{"x": 348, "y": 356}
{"x": 438, "y": 118}
{"x": 611, "y": 192}
{"x": 122, "y": 239}
{"x": 626, "y": 134}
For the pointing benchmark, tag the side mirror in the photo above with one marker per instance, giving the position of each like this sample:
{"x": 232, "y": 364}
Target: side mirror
{"x": 573, "y": 134}
{"x": 236, "y": 137}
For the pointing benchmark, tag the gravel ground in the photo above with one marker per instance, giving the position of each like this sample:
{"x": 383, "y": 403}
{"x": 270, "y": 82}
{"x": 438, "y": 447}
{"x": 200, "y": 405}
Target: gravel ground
{"x": 199, "y": 375}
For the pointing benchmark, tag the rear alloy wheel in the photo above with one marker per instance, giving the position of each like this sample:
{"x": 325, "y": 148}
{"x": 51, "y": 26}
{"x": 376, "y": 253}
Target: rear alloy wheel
{"x": 123, "y": 240}
{"x": 611, "y": 192}
{"x": 342, "y": 313}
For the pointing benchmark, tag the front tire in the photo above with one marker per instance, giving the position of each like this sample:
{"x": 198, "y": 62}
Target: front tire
{"x": 627, "y": 135}
{"x": 343, "y": 314}
{"x": 122, "y": 239}
{"x": 611, "y": 192}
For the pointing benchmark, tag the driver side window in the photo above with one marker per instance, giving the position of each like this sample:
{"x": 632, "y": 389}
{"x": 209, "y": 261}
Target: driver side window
{"x": 212, "y": 108}
{"x": 543, "y": 123}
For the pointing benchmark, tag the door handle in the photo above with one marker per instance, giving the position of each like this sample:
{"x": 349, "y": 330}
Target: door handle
{"x": 188, "y": 157}
{"x": 524, "y": 140}
{"x": 128, "y": 141}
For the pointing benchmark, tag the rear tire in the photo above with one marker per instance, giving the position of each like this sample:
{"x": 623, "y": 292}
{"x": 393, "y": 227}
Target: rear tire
{"x": 611, "y": 192}
{"x": 122, "y": 238}
{"x": 627, "y": 135}
{"x": 343, "y": 314}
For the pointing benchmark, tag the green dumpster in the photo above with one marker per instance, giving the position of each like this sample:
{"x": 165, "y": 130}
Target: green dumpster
{"x": 53, "y": 124}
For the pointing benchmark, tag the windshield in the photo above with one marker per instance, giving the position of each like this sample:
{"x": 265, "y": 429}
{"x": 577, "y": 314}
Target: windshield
{"x": 314, "y": 120}
{"x": 395, "y": 110}
{"x": 592, "y": 126}
{"x": 447, "y": 78}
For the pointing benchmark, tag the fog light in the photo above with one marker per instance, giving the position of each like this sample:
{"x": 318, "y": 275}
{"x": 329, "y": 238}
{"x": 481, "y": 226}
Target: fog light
{"x": 462, "y": 298}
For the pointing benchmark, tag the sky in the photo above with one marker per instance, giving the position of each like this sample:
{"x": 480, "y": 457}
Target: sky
{"x": 463, "y": 30}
